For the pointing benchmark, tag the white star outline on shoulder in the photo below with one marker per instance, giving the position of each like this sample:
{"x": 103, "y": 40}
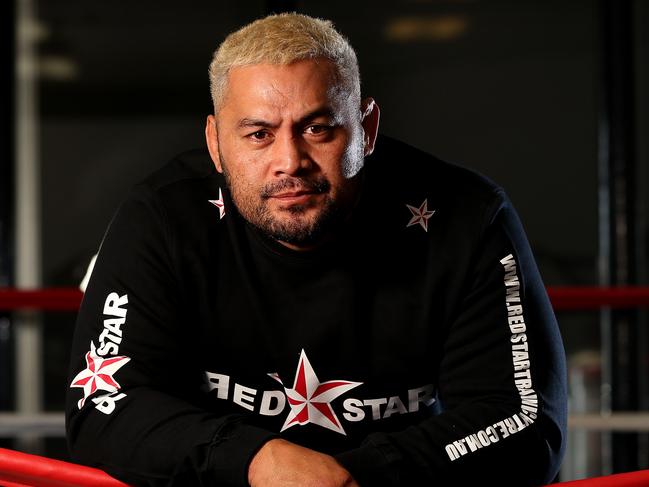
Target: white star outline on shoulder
{"x": 421, "y": 215}
{"x": 219, "y": 204}
{"x": 310, "y": 399}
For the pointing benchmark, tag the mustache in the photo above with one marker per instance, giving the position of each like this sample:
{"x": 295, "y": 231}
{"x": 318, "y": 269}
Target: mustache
{"x": 316, "y": 185}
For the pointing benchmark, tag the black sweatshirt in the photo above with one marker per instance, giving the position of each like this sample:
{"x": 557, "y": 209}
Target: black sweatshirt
{"x": 417, "y": 348}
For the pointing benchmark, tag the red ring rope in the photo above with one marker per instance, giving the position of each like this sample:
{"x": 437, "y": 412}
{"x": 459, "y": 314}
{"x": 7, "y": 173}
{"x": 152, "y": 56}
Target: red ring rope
{"x": 51, "y": 299}
{"x": 629, "y": 479}
{"x": 23, "y": 469}
{"x": 563, "y": 298}
{"x": 576, "y": 298}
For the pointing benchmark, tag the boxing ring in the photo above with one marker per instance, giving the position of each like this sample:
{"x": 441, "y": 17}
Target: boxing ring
{"x": 19, "y": 469}
{"x": 562, "y": 298}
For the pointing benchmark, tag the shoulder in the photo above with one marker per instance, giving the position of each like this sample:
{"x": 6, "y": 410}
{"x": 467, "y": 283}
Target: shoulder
{"x": 172, "y": 206}
{"x": 185, "y": 169}
{"x": 186, "y": 179}
{"x": 412, "y": 167}
{"x": 175, "y": 199}
{"x": 411, "y": 176}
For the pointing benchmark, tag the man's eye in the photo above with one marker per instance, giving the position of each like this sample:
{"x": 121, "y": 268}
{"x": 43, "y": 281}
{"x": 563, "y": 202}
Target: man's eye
{"x": 317, "y": 129}
{"x": 259, "y": 135}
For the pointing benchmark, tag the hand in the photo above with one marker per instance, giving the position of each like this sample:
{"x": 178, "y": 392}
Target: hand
{"x": 281, "y": 463}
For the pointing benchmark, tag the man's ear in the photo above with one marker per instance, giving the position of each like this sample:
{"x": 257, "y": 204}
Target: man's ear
{"x": 213, "y": 141}
{"x": 370, "y": 115}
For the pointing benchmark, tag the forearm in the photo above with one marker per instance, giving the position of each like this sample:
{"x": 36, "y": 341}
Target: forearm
{"x": 466, "y": 445}
{"x": 280, "y": 463}
{"x": 156, "y": 439}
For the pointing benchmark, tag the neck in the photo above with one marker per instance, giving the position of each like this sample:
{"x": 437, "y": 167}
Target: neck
{"x": 311, "y": 245}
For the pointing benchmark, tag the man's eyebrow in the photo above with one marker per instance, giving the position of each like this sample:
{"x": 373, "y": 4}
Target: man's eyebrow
{"x": 326, "y": 112}
{"x": 318, "y": 112}
{"x": 252, "y": 122}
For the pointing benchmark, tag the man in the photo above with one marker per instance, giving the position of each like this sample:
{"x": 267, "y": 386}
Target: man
{"x": 311, "y": 305}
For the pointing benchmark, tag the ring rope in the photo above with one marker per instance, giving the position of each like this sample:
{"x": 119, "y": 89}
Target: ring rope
{"x": 17, "y": 468}
{"x": 561, "y": 297}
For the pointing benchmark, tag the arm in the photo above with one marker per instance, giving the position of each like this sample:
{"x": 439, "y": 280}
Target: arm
{"x": 280, "y": 463}
{"x": 501, "y": 381}
{"x": 134, "y": 409}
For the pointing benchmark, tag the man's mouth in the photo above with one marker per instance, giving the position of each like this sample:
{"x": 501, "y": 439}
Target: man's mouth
{"x": 293, "y": 191}
{"x": 299, "y": 196}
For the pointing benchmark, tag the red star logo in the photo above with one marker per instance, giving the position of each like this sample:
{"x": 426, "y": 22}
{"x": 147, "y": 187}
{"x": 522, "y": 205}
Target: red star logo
{"x": 98, "y": 374}
{"x": 219, "y": 204}
{"x": 310, "y": 399}
{"x": 420, "y": 215}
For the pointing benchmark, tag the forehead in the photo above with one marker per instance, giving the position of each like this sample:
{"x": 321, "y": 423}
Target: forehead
{"x": 301, "y": 85}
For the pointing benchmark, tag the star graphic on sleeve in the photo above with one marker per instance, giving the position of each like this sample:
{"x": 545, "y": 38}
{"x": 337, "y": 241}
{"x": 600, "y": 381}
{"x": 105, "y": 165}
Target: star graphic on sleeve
{"x": 420, "y": 215}
{"x": 219, "y": 204}
{"x": 98, "y": 374}
{"x": 310, "y": 399}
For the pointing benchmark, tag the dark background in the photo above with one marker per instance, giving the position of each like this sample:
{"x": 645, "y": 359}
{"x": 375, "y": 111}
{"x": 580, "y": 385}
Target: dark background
{"x": 513, "y": 89}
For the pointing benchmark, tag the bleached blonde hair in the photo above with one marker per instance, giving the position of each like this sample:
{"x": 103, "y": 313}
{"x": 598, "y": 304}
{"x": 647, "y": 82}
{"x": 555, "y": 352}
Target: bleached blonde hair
{"x": 284, "y": 39}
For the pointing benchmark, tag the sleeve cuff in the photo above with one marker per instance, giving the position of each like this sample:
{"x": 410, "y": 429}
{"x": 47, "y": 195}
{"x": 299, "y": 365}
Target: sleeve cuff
{"x": 372, "y": 464}
{"x": 237, "y": 445}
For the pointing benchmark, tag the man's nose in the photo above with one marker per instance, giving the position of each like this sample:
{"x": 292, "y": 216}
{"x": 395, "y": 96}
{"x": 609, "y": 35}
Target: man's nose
{"x": 289, "y": 155}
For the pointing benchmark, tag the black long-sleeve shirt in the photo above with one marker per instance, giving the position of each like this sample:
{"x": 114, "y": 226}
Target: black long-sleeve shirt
{"x": 418, "y": 348}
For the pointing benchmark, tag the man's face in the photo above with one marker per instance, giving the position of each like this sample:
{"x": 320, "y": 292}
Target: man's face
{"x": 290, "y": 144}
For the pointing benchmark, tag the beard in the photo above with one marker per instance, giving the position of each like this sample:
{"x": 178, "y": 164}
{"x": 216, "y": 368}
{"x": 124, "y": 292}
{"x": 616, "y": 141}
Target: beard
{"x": 297, "y": 224}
